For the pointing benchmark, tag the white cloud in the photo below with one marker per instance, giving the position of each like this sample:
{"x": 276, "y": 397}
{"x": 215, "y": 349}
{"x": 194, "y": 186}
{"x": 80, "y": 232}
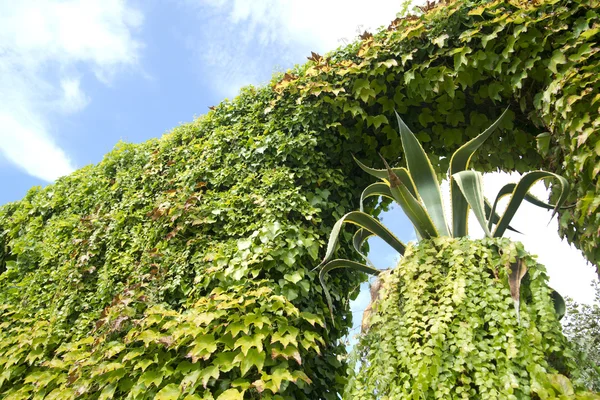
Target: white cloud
{"x": 242, "y": 39}
{"x": 73, "y": 99}
{"x": 44, "y": 47}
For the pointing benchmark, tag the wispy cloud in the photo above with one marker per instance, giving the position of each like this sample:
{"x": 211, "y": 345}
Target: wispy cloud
{"x": 73, "y": 99}
{"x": 45, "y": 46}
{"x": 240, "y": 40}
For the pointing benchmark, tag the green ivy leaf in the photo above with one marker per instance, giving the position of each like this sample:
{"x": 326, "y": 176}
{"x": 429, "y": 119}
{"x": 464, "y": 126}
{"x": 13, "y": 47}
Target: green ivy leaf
{"x": 169, "y": 392}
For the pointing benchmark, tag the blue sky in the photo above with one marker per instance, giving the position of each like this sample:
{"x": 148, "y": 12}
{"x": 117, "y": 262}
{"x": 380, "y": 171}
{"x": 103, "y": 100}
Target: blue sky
{"x": 77, "y": 76}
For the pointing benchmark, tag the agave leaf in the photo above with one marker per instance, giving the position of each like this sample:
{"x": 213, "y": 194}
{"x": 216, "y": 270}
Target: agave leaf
{"x": 423, "y": 174}
{"x": 559, "y": 304}
{"x": 519, "y": 193}
{"x": 359, "y": 238}
{"x": 508, "y": 189}
{"x": 493, "y": 219}
{"x": 375, "y": 189}
{"x": 341, "y": 263}
{"x": 460, "y": 162}
{"x": 517, "y": 271}
{"x": 471, "y": 186}
{"x": 401, "y": 172}
{"x": 367, "y": 222}
{"x": 413, "y": 209}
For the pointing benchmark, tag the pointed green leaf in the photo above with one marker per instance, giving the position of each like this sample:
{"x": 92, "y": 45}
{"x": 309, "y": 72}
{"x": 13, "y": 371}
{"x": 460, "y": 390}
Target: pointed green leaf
{"x": 252, "y": 358}
{"x": 508, "y": 189}
{"x": 519, "y": 193}
{"x": 247, "y": 342}
{"x": 231, "y": 394}
{"x": 413, "y": 209}
{"x": 358, "y": 240}
{"x": 460, "y": 162}
{"x": 493, "y": 219}
{"x": 401, "y": 172}
{"x": 340, "y": 263}
{"x": 375, "y": 189}
{"x": 423, "y": 175}
{"x": 169, "y": 392}
{"x": 209, "y": 372}
{"x": 368, "y": 223}
{"x": 471, "y": 186}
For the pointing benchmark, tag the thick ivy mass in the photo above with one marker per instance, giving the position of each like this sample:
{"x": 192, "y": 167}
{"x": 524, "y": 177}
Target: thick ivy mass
{"x": 446, "y": 328}
{"x": 181, "y": 267}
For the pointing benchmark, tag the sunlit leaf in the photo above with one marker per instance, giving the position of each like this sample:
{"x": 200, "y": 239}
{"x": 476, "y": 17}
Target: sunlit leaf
{"x": 460, "y": 162}
{"x": 423, "y": 175}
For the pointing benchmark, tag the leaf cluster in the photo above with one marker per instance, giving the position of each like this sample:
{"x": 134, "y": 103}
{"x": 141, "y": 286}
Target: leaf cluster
{"x": 445, "y": 328}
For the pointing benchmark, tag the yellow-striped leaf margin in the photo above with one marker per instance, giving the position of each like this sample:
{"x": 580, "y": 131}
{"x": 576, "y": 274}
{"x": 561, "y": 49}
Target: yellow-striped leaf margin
{"x": 519, "y": 192}
{"x": 413, "y": 209}
{"x": 366, "y": 222}
{"x": 424, "y": 177}
{"x": 460, "y": 162}
{"x": 471, "y": 186}
{"x": 401, "y": 172}
{"x": 341, "y": 263}
{"x": 375, "y": 189}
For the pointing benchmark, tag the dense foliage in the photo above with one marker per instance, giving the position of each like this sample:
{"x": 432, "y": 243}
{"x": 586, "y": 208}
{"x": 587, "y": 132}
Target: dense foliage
{"x": 582, "y": 328}
{"x": 182, "y": 265}
{"x": 441, "y": 325}
{"x": 445, "y": 328}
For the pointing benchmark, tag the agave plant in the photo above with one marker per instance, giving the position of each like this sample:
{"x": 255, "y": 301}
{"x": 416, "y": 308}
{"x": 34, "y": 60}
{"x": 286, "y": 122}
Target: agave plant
{"x": 416, "y": 190}
{"x": 445, "y": 325}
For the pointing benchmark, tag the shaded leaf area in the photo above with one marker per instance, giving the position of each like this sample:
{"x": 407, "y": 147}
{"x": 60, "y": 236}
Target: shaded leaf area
{"x": 181, "y": 265}
{"x": 445, "y": 327}
{"x": 245, "y": 196}
{"x": 450, "y": 72}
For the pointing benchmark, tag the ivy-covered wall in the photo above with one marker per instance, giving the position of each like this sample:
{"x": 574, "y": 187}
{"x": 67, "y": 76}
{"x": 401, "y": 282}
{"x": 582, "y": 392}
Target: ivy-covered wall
{"x": 181, "y": 266}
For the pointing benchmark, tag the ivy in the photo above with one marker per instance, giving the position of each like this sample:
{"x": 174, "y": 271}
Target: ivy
{"x": 445, "y": 327}
{"x": 135, "y": 264}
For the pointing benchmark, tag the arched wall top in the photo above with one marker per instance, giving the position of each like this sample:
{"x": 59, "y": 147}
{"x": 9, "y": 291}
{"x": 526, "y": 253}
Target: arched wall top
{"x": 226, "y": 216}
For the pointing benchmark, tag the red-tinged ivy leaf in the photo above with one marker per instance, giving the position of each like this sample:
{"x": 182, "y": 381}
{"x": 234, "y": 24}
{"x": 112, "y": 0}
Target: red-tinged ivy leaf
{"x": 315, "y": 57}
{"x": 259, "y": 385}
{"x": 288, "y": 352}
{"x": 366, "y": 35}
